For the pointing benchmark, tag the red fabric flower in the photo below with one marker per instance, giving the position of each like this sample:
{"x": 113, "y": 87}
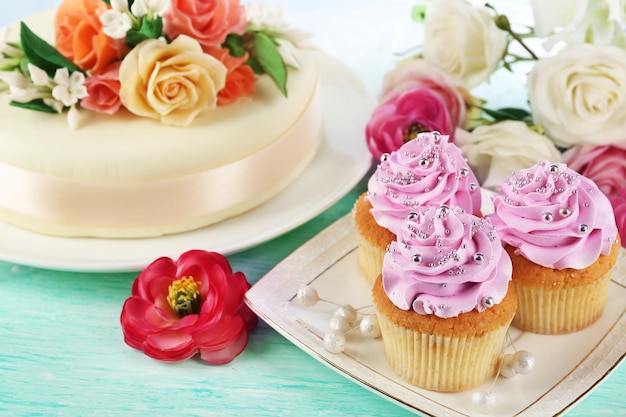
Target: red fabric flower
{"x": 195, "y": 304}
{"x": 402, "y": 115}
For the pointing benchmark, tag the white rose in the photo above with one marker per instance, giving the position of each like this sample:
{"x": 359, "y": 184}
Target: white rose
{"x": 494, "y": 151}
{"x": 463, "y": 40}
{"x": 579, "y": 95}
{"x": 578, "y": 21}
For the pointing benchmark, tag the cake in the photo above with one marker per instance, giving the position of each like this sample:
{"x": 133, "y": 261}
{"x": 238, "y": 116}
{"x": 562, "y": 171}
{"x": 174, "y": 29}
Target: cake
{"x": 428, "y": 170}
{"x": 124, "y": 176}
{"x": 560, "y": 232}
{"x": 443, "y": 300}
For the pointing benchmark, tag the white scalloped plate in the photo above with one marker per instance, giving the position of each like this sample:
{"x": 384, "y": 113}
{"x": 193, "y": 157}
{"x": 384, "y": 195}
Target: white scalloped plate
{"x": 567, "y": 367}
{"x": 341, "y": 162}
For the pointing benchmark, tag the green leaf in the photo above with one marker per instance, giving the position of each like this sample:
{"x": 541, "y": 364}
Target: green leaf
{"x": 418, "y": 13}
{"x": 148, "y": 29}
{"x": 507, "y": 113}
{"x": 38, "y": 105}
{"x": 265, "y": 51}
{"x": 234, "y": 43}
{"x": 43, "y": 55}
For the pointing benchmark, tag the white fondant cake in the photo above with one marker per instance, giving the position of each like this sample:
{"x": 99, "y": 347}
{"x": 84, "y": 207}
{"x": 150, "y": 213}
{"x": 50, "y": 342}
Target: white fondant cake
{"x": 126, "y": 176}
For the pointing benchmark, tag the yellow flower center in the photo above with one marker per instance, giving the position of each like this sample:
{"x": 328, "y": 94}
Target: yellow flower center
{"x": 184, "y": 296}
{"x": 413, "y": 130}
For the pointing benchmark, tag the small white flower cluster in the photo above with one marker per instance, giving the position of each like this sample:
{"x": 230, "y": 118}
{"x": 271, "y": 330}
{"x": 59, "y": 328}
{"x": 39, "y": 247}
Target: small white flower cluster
{"x": 62, "y": 91}
{"x": 118, "y": 20}
{"x": 261, "y": 16}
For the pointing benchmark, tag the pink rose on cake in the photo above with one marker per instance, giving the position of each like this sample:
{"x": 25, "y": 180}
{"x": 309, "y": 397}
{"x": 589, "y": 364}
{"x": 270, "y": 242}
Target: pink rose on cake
{"x": 171, "y": 82}
{"x": 402, "y": 115}
{"x": 193, "y": 305}
{"x": 579, "y": 95}
{"x": 80, "y": 38}
{"x": 605, "y": 165}
{"x": 104, "y": 91}
{"x": 207, "y": 21}
{"x": 494, "y": 151}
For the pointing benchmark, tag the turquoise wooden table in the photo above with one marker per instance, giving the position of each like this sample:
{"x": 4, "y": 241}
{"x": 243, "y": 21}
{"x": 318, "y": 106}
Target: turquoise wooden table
{"x": 62, "y": 351}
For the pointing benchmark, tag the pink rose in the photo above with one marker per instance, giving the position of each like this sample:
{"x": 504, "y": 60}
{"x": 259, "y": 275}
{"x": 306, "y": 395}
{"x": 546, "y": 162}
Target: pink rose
{"x": 401, "y": 116}
{"x": 618, "y": 201}
{"x": 605, "y": 165}
{"x": 195, "y": 304}
{"x": 419, "y": 73}
{"x": 104, "y": 91}
{"x": 207, "y": 21}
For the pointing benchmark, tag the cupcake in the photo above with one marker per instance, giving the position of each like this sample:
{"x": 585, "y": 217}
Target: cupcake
{"x": 428, "y": 170}
{"x": 560, "y": 232}
{"x": 443, "y": 300}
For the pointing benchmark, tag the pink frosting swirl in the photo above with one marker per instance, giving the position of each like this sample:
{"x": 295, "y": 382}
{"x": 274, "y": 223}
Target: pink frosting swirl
{"x": 554, "y": 216}
{"x": 446, "y": 262}
{"x": 426, "y": 171}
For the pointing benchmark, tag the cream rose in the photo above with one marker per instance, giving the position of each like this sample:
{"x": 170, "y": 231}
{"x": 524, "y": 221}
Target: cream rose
{"x": 579, "y": 95}
{"x": 463, "y": 40}
{"x": 578, "y": 21}
{"x": 170, "y": 82}
{"x": 494, "y": 151}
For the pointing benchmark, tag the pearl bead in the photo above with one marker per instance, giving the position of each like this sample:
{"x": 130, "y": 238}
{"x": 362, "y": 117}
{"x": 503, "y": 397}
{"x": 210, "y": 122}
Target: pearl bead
{"x": 583, "y": 228}
{"x": 553, "y": 168}
{"x": 369, "y": 327}
{"x": 347, "y": 312}
{"x": 463, "y": 172}
{"x": 479, "y": 257}
{"x": 412, "y": 216}
{"x": 488, "y": 302}
{"x": 442, "y": 211}
{"x": 334, "y": 342}
{"x": 384, "y": 157}
{"x": 307, "y": 296}
{"x": 338, "y": 324}
{"x": 436, "y": 135}
{"x": 523, "y": 362}
{"x": 417, "y": 258}
{"x": 546, "y": 217}
{"x": 423, "y": 162}
{"x": 506, "y": 366}
{"x": 485, "y": 400}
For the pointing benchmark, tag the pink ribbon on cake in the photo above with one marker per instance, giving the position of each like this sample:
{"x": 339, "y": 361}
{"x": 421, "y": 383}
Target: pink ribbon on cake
{"x": 50, "y": 204}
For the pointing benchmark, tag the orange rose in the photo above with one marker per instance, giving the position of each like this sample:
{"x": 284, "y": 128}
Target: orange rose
{"x": 80, "y": 38}
{"x": 240, "y": 78}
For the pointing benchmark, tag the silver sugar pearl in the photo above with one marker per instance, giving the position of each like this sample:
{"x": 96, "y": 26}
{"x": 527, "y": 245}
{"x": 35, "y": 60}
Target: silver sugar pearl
{"x": 463, "y": 172}
{"x": 417, "y": 258}
{"x": 436, "y": 136}
{"x": 384, "y": 157}
{"x": 547, "y": 217}
{"x": 583, "y": 228}
{"x": 442, "y": 211}
{"x": 553, "y": 168}
{"x": 412, "y": 216}
{"x": 565, "y": 211}
{"x": 423, "y": 162}
{"x": 488, "y": 302}
{"x": 479, "y": 257}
